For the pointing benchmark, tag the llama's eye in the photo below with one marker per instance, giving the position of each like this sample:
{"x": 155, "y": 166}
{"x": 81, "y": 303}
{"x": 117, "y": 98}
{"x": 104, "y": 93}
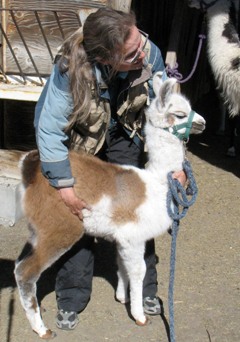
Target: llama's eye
{"x": 180, "y": 115}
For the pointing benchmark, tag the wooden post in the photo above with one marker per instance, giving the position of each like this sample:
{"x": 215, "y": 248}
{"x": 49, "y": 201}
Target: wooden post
{"x": 3, "y": 42}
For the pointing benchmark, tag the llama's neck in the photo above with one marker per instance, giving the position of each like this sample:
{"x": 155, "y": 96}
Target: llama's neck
{"x": 166, "y": 152}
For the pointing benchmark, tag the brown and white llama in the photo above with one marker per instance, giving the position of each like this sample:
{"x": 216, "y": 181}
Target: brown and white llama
{"x": 127, "y": 205}
{"x": 223, "y": 48}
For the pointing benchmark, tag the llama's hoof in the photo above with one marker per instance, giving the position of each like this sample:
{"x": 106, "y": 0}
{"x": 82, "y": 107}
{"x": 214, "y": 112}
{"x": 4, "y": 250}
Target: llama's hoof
{"x": 142, "y": 324}
{"x": 49, "y": 335}
{"x": 123, "y": 300}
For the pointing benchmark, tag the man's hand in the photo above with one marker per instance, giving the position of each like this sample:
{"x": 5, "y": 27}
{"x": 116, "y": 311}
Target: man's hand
{"x": 180, "y": 176}
{"x": 74, "y": 203}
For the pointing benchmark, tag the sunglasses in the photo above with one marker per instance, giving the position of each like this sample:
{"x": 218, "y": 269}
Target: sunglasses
{"x": 133, "y": 59}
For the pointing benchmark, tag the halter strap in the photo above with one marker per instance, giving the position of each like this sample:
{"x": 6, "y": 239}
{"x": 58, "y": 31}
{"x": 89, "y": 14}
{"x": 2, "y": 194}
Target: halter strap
{"x": 188, "y": 125}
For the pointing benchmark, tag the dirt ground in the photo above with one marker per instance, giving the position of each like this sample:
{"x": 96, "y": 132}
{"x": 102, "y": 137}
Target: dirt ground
{"x": 206, "y": 291}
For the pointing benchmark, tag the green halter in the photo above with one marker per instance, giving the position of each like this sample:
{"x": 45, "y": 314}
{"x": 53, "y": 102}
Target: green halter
{"x": 188, "y": 125}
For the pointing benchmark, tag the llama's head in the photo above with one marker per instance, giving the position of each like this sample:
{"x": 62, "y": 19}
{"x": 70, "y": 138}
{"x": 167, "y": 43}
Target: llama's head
{"x": 171, "y": 111}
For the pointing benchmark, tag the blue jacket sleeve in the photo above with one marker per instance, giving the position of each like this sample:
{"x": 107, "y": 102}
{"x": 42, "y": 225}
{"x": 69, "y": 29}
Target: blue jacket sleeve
{"x": 51, "y": 117}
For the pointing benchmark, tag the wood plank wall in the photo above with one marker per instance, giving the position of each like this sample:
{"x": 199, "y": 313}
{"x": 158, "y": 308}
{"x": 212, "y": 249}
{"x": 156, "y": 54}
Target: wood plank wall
{"x": 53, "y": 4}
{"x": 32, "y": 33}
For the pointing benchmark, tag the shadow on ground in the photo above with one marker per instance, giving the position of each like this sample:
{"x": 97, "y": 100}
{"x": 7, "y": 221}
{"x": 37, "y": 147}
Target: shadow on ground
{"x": 104, "y": 267}
{"x": 212, "y": 148}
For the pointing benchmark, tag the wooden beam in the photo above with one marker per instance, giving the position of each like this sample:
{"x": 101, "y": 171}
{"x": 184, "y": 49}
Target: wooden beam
{"x": 20, "y": 92}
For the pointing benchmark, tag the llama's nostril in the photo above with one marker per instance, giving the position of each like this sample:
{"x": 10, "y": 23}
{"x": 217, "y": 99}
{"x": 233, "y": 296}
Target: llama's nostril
{"x": 198, "y": 127}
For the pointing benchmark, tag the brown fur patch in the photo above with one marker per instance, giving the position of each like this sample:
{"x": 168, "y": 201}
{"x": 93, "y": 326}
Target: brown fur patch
{"x": 49, "y": 335}
{"x": 57, "y": 228}
{"x": 34, "y": 304}
{"x": 130, "y": 195}
{"x": 95, "y": 178}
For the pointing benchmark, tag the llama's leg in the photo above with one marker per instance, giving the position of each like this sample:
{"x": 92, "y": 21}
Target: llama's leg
{"x": 133, "y": 261}
{"x": 123, "y": 282}
{"x": 27, "y": 272}
{"x": 47, "y": 248}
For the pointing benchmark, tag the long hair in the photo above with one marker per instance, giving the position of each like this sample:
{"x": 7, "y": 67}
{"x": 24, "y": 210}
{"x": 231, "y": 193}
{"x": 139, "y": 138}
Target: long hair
{"x": 101, "y": 39}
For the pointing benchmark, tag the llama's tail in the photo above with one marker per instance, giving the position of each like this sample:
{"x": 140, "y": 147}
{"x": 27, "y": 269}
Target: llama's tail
{"x": 29, "y": 165}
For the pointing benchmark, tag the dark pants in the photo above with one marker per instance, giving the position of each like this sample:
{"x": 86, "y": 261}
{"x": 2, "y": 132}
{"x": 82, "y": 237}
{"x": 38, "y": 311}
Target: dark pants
{"x": 74, "y": 278}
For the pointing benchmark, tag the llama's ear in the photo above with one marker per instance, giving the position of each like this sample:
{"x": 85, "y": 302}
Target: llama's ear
{"x": 166, "y": 90}
{"x": 157, "y": 82}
